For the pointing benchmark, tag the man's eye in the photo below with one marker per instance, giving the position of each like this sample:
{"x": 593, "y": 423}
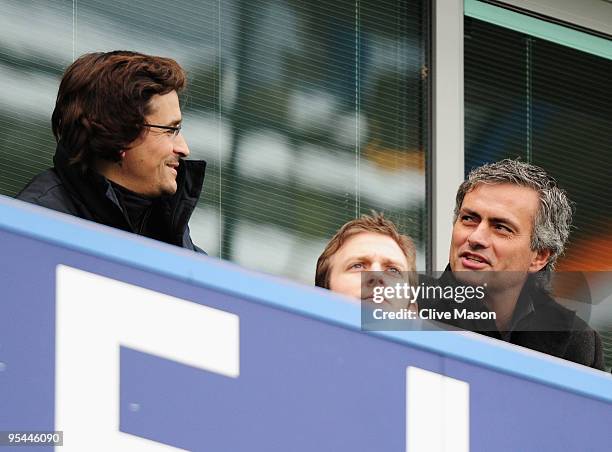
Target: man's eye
{"x": 502, "y": 228}
{"x": 357, "y": 266}
{"x": 394, "y": 270}
{"x": 467, "y": 218}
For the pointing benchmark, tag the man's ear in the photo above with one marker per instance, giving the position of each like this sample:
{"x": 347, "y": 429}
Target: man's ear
{"x": 540, "y": 259}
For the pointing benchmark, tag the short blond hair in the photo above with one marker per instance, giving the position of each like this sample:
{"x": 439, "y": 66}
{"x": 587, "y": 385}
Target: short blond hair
{"x": 367, "y": 223}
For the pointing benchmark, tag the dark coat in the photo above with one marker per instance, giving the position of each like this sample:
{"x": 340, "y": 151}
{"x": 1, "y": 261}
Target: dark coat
{"x": 552, "y": 328}
{"x": 548, "y": 328}
{"x": 89, "y": 195}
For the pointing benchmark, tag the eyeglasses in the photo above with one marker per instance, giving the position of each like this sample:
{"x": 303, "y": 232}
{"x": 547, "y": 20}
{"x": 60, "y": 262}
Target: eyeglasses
{"x": 175, "y": 130}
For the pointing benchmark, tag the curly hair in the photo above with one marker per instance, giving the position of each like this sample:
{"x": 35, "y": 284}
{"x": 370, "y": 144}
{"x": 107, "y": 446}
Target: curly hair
{"x": 553, "y": 221}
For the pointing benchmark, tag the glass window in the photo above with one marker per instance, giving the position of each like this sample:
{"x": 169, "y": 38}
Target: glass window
{"x": 308, "y": 113}
{"x": 551, "y": 105}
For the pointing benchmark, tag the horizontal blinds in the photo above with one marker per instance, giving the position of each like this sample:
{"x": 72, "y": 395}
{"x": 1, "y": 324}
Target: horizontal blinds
{"x": 327, "y": 120}
{"x": 308, "y": 113}
{"x": 548, "y": 104}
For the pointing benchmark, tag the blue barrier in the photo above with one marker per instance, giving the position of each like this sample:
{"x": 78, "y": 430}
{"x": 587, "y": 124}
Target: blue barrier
{"x": 304, "y": 377}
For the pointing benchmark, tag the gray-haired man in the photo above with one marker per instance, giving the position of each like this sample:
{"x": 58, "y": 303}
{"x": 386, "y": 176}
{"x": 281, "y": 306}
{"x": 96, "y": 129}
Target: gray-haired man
{"x": 512, "y": 218}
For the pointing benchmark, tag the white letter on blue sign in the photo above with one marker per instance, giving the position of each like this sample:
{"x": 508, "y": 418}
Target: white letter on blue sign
{"x": 437, "y": 412}
{"x": 94, "y": 316}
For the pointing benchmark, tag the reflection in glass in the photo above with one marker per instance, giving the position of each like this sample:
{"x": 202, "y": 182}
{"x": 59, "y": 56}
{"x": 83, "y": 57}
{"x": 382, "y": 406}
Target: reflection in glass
{"x": 308, "y": 113}
{"x": 550, "y": 105}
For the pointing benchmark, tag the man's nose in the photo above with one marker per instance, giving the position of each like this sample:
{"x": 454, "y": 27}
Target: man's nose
{"x": 376, "y": 276}
{"x": 180, "y": 146}
{"x": 376, "y": 267}
{"x": 479, "y": 236}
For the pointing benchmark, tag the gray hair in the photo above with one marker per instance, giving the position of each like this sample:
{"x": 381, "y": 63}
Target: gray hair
{"x": 553, "y": 220}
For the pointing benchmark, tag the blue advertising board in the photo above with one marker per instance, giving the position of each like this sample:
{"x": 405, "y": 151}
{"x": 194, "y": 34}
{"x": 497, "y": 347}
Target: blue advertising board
{"x": 123, "y": 343}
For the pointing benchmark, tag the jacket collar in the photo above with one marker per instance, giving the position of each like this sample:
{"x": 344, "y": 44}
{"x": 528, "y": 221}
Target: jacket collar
{"x": 545, "y": 324}
{"x": 98, "y": 201}
{"x": 534, "y": 298}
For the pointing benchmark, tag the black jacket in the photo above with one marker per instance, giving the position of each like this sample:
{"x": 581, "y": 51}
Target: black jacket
{"x": 545, "y": 326}
{"x": 89, "y": 195}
